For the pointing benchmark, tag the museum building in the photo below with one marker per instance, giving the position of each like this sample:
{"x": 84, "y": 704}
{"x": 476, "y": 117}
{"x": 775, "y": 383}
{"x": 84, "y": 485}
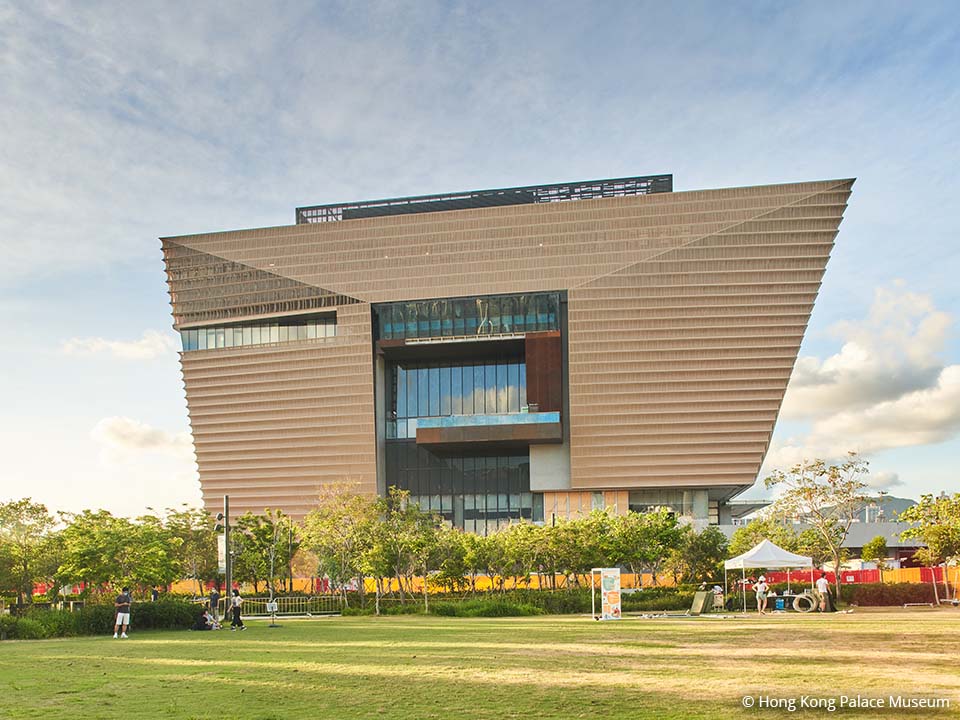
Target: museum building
{"x": 522, "y": 353}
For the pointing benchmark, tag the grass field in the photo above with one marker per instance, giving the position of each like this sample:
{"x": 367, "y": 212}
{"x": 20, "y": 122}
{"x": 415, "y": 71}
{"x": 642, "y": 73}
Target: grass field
{"x": 549, "y": 667}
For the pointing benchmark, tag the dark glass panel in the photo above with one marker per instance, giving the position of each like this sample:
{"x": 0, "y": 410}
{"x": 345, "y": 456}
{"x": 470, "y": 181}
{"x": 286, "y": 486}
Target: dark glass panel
{"x": 400, "y": 402}
{"x": 423, "y": 319}
{"x": 434, "y": 374}
{"x": 468, "y": 407}
{"x": 552, "y": 311}
{"x": 446, "y": 318}
{"x": 479, "y": 391}
{"x": 456, "y": 390}
{"x": 434, "y": 318}
{"x": 495, "y": 319}
{"x": 523, "y": 383}
{"x": 445, "y": 403}
{"x": 490, "y": 388}
{"x": 469, "y": 476}
{"x": 458, "y": 320}
{"x": 513, "y": 387}
{"x": 503, "y": 402}
{"x": 471, "y": 316}
{"x": 423, "y": 392}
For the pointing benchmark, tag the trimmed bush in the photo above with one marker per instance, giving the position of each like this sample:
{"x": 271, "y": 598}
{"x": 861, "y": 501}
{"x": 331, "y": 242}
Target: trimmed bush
{"x": 484, "y": 608}
{"x": 660, "y": 602}
{"x": 14, "y": 628}
{"x": 887, "y": 594}
{"x": 98, "y": 620}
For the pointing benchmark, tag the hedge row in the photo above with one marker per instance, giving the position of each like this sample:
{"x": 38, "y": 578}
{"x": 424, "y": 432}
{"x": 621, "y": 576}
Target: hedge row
{"x": 97, "y": 620}
{"x": 881, "y": 594}
{"x": 527, "y": 602}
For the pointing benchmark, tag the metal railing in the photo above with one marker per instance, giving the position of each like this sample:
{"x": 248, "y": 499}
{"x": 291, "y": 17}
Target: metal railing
{"x": 296, "y": 605}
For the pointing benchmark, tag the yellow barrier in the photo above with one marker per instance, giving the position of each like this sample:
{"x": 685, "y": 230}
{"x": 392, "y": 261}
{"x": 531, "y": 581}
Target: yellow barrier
{"x": 484, "y": 582}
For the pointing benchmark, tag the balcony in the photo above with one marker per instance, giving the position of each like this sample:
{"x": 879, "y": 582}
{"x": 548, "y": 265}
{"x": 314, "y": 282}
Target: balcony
{"x": 510, "y": 428}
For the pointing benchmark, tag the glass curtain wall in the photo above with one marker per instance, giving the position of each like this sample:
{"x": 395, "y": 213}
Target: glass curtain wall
{"x": 259, "y": 332}
{"x": 476, "y": 493}
{"x": 452, "y": 388}
{"x": 452, "y": 317}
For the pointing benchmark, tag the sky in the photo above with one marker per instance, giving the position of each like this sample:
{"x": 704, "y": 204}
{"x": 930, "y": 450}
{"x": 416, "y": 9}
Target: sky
{"x": 121, "y": 123}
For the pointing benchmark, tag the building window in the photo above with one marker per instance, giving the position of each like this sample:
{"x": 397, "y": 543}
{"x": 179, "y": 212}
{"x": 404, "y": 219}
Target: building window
{"x": 417, "y": 389}
{"x": 291, "y": 329}
{"x": 479, "y": 494}
{"x": 453, "y": 317}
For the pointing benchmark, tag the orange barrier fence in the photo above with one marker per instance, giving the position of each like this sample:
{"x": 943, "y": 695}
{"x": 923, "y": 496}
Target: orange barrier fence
{"x": 627, "y": 581}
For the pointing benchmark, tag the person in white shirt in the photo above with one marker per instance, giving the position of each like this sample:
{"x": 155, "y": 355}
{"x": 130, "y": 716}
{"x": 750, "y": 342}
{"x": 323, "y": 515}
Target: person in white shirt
{"x": 235, "y": 602}
{"x": 761, "y": 588}
{"x": 823, "y": 590}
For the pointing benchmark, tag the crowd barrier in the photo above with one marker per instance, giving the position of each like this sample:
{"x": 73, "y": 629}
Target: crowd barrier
{"x": 847, "y": 577}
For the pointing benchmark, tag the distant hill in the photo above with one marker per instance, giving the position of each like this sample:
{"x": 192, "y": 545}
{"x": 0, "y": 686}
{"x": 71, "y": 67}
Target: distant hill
{"x": 890, "y": 506}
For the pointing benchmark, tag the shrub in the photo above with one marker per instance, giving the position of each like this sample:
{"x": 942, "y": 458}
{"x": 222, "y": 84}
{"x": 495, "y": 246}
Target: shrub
{"x": 8, "y": 625}
{"x": 98, "y": 620}
{"x": 883, "y": 594}
{"x": 162, "y": 615}
{"x": 55, "y": 623}
{"x": 484, "y": 608}
{"x": 27, "y": 629}
{"x": 95, "y": 619}
{"x": 657, "y": 599}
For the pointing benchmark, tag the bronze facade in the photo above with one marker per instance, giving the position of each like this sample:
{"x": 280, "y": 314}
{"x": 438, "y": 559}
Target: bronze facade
{"x": 684, "y": 316}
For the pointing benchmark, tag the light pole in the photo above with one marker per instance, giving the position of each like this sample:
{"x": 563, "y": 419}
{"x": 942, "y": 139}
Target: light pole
{"x": 226, "y": 541}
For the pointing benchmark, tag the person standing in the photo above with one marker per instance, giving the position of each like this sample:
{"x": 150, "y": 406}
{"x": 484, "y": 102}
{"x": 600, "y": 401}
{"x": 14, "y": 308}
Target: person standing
{"x": 235, "y": 602}
{"x": 761, "y": 588}
{"x": 154, "y": 594}
{"x": 823, "y": 590}
{"x": 215, "y": 602}
{"x": 122, "y": 605}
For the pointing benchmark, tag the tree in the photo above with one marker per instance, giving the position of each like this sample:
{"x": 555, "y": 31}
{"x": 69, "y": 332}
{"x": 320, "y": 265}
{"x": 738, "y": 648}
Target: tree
{"x": 451, "y": 561}
{"x": 197, "y": 553}
{"x": 748, "y": 536}
{"x": 338, "y": 531}
{"x": 100, "y": 549}
{"x": 937, "y": 525}
{"x": 628, "y": 542}
{"x": 262, "y": 544}
{"x": 661, "y": 534}
{"x": 25, "y": 527}
{"x": 825, "y": 497}
{"x": 407, "y": 536}
{"x": 700, "y": 555}
{"x": 875, "y": 551}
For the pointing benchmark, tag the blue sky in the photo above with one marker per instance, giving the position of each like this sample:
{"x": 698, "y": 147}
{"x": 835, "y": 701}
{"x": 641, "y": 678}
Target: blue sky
{"x": 121, "y": 124}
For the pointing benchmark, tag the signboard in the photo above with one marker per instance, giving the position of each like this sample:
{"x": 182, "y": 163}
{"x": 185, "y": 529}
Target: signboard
{"x": 610, "y": 593}
{"x": 272, "y": 607}
{"x": 221, "y": 554}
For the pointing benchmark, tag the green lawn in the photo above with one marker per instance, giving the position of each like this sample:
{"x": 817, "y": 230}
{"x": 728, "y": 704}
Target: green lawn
{"x": 431, "y": 667}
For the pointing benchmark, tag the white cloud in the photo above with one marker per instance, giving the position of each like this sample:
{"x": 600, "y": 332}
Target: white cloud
{"x": 921, "y": 417}
{"x": 125, "y": 436}
{"x": 894, "y": 351}
{"x": 886, "y": 388}
{"x": 884, "y": 480}
{"x": 152, "y": 345}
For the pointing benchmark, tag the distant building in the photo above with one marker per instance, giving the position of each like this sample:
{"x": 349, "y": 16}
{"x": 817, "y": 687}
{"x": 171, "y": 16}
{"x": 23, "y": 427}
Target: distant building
{"x": 531, "y": 352}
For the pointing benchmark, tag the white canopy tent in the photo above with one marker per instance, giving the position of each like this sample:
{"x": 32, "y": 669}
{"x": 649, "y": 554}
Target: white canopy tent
{"x": 767, "y": 556}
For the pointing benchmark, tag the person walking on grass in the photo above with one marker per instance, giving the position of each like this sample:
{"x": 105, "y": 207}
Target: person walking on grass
{"x": 823, "y": 590}
{"x": 215, "y": 602}
{"x": 235, "y": 602}
{"x": 761, "y": 588}
{"x": 122, "y": 605}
